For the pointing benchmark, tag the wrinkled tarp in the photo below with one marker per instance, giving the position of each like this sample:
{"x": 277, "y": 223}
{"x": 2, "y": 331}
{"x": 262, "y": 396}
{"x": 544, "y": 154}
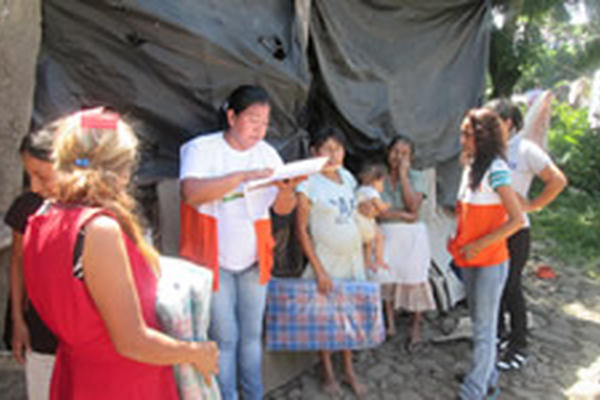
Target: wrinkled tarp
{"x": 170, "y": 65}
{"x": 409, "y": 67}
{"x": 373, "y": 68}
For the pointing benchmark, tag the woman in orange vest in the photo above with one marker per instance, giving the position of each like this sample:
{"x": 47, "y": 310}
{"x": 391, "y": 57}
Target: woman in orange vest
{"x": 228, "y": 229}
{"x": 488, "y": 212}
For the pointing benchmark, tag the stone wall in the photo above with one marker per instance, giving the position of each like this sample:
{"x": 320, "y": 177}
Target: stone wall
{"x": 20, "y": 35}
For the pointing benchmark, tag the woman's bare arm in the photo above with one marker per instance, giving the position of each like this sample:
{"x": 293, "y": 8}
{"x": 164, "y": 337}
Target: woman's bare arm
{"x": 110, "y": 282}
{"x": 286, "y": 197}
{"x": 412, "y": 199}
{"x": 197, "y": 191}
{"x": 395, "y": 214}
{"x": 20, "y": 332}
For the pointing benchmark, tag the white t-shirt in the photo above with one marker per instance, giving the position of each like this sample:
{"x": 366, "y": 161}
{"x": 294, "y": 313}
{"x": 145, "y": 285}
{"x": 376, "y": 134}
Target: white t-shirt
{"x": 210, "y": 156}
{"x": 332, "y": 225}
{"x": 525, "y": 160}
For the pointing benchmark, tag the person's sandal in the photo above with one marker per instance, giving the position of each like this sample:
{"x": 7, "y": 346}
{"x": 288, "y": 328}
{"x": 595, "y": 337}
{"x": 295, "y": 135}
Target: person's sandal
{"x": 413, "y": 346}
{"x": 512, "y": 360}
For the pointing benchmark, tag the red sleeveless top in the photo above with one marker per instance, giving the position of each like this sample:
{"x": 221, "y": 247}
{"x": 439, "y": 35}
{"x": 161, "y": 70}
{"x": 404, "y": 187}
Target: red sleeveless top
{"x": 87, "y": 364}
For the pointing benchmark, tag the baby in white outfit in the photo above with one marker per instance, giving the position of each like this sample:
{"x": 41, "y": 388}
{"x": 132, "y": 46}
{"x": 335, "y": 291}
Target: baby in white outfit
{"x": 371, "y": 178}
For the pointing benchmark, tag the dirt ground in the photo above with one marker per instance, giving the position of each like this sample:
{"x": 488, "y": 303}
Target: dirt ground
{"x": 564, "y": 361}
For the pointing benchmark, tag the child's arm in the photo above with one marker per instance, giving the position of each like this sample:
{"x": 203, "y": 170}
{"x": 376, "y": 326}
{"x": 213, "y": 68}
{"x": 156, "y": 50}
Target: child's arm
{"x": 303, "y": 210}
{"x": 20, "y": 332}
{"x": 380, "y": 205}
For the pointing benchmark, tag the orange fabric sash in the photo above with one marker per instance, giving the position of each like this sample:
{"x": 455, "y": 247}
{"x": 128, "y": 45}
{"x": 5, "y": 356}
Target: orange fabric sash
{"x": 199, "y": 242}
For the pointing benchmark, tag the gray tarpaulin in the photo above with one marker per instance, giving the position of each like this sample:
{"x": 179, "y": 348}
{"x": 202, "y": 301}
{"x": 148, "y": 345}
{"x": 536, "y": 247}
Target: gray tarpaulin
{"x": 411, "y": 67}
{"x": 373, "y": 68}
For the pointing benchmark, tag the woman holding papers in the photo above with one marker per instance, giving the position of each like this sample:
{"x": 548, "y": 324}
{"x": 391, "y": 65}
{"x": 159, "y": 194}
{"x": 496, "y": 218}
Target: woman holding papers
{"x": 228, "y": 230}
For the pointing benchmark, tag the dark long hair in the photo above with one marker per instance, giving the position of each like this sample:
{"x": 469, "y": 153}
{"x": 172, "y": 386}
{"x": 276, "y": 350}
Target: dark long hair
{"x": 485, "y": 126}
{"x": 507, "y": 110}
{"x": 38, "y": 144}
{"x": 318, "y": 138}
{"x": 399, "y": 138}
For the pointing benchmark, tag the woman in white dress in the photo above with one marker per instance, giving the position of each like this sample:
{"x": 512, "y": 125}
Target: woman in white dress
{"x": 406, "y": 244}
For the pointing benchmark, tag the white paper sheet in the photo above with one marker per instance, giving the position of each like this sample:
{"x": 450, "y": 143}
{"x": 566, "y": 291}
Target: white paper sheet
{"x": 291, "y": 170}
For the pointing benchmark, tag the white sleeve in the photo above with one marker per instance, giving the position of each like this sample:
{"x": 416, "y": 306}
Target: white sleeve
{"x": 536, "y": 158}
{"x": 194, "y": 160}
{"x": 373, "y": 193}
{"x": 364, "y": 193}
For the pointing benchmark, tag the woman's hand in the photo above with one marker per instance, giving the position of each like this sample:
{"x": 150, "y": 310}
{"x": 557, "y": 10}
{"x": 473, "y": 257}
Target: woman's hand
{"x": 524, "y": 203}
{"x": 471, "y": 250}
{"x": 324, "y": 283}
{"x": 404, "y": 164}
{"x": 20, "y": 340}
{"x": 207, "y": 360}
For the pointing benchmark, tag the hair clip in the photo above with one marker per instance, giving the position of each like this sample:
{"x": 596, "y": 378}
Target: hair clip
{"x": 82, "y": 162}
{"x": 99, "y": 119}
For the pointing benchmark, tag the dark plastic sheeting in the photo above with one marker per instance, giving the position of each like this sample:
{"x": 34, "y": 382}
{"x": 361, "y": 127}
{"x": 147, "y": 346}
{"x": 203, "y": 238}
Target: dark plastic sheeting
{"x": 413, "y": 68}
{"x": 373, "y": 68}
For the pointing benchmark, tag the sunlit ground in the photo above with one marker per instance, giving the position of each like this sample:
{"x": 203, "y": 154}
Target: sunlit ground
{"x": 588, "y": 385}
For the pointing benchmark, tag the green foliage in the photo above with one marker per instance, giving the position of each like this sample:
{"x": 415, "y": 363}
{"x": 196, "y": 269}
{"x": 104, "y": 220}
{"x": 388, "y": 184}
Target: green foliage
{"x": 538, "y": 45}
{"x": 575, "y": 147}
{"x": 571, "y": 227}
{"x": 545, "y": 65}
{"x": 571, "y": 224}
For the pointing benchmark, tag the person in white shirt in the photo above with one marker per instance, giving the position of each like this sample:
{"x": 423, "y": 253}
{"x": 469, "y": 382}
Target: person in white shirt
{"x": 526, "y": 160}
{"x": 227, "y": 228}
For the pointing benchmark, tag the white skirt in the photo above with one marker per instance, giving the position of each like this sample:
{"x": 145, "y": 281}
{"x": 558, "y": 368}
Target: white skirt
{"x": 406, "y": 251}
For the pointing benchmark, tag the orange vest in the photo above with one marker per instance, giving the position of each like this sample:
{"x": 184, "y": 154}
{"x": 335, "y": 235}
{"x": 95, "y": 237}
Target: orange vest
{"x": 199, "y": 242}
{"x": 473, "y": 222}
{"x": 478, "y": 212}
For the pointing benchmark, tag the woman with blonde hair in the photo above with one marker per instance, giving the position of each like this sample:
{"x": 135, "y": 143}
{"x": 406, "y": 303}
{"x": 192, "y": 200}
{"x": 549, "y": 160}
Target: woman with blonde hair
{"x": 96, "y": 289}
